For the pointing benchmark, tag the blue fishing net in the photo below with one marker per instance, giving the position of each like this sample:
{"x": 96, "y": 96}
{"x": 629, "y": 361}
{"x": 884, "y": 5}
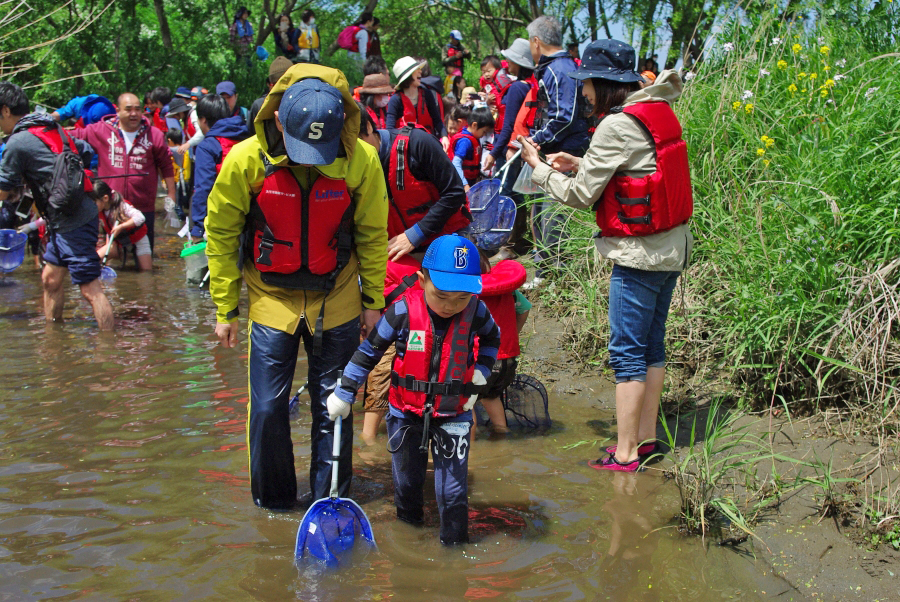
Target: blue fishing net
{"x": 330, "y": 528}
{"x": 497, "y": 234}
{"x": 483, "y": 205}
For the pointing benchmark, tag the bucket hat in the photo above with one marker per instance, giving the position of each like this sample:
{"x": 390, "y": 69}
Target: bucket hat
{"x": 519, "y": 52}
{"x": 377, "y": 83}
{"x": 608, "y": 59}
{"x": 178, "y": 106}
{"x": 405, "y": 67}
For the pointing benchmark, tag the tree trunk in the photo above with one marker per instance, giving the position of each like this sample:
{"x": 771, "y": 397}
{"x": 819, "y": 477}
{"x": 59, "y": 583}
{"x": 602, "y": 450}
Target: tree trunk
{"x": 370, "y": 6}
{"x": 604, "y": 20}
{"x": 164, "y": 32}
{"x": 592, "y": 19}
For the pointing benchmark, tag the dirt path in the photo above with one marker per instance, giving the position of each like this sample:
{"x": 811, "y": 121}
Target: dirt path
{"x": 822, "y": 558}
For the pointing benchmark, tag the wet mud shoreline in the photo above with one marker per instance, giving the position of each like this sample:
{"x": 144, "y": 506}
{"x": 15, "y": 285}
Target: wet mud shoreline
{"x": 799, "y": 553}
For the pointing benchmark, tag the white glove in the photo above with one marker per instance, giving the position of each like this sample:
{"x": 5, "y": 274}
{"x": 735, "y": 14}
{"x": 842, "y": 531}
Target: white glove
{"x": 337, "y": 407}
{"x": 477, "y": 379}
{"x": 169, "y": 205}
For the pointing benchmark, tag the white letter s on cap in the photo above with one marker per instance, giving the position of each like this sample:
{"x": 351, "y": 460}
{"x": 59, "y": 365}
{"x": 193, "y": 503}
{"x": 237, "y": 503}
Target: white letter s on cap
{"x": 315, "y": 130}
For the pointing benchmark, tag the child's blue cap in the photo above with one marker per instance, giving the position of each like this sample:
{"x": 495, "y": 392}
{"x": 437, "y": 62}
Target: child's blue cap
{"x": 453, "y": 264}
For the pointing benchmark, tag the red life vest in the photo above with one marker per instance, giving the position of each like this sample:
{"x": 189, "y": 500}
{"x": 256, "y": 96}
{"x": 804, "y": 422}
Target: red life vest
{"x": 134, "y": 235}
{"x": 159, "y": 122}
{"x": 189, "y": 128}
{"x": 497, "y": 293}
{"x": 51, "y": 136}
{"x": 300, "y": 239}
{"x": 457, "y": 52}
{"x": 399, "y": 277}
{"x": 471, "y": 165}
{"x": 659, "y": 201}
{"x": 418, "y": 114}
{"x": 410, "y": 199}
{"x": 226, "y": 144}
{"x": 527, "y": 112}
{"x": 378, "y": 118}
{"x": 497, "y": 87}
{"x": 430, "y": 370}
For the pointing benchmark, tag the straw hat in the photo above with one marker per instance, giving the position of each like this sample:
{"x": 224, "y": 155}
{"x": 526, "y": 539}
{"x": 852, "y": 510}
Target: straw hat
{"x": 519, "y": 52}
{"x": 405, "y": 67}
{"x": 377, "y": 83}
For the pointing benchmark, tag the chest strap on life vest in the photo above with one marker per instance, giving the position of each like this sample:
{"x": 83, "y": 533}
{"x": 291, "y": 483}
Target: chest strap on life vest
{"x": 455, "y": 388}
{"x": 401, "y": 288}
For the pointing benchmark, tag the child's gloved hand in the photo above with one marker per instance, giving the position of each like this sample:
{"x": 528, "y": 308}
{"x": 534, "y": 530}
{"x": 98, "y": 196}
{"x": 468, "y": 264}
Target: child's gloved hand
{"x": 479, "y": 380}
{"x": 337, "y": 407}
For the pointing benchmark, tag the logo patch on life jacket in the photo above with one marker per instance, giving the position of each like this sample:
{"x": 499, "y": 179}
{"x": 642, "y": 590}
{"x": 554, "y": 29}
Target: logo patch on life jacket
{"x": 324, "y": 195}
{"x": 416, "y": 340}
{"x": 461, "y": 255}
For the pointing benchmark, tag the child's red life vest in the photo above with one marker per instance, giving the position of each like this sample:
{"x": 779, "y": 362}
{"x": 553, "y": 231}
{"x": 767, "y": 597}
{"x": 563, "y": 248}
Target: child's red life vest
{"x": 399, "y": 277}
{"x": 497, "y": 293}
{"x": 189, "y": 129}
{"x": 471, "y": 165}
{"x": 497, "y": 87}
{"x": 288, "y": 247}
{"x": 527, "y": 112}
{"x": 159, "y": 122}
{"x": 410, "y": 199}
{"x": 455, "y": 53}
{"x": 226, "y": 144}
{"x": 418, "y": 114}
{"x": 657, "y": 202}
{"x": 379, "y": 116}
{"x": 433, "y": 370}
{"x": 134, "y": 235}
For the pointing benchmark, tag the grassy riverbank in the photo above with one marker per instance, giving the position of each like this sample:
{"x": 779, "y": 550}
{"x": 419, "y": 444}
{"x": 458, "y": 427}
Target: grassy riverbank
{"x": 791, "y": 303}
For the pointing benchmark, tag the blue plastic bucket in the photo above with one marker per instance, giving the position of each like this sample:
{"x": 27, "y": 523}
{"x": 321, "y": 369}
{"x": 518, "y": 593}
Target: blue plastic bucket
{"x": 12, "y": 249}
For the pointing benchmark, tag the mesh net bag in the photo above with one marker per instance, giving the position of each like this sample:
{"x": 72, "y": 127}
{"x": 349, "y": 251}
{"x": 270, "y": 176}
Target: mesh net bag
{"x": 526, "y": 404}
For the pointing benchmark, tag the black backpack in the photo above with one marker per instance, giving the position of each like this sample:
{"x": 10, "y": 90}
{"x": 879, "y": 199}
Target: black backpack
{"x": 66, "y": 187}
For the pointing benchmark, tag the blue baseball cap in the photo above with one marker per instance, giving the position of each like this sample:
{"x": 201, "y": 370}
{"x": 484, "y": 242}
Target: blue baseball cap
{"x": 183, "y": 92}
{"x": 312, "y": 115}
{"x": 456, "y": 35}
{"x": 453, "y": 264}
{"x": 226, "y": 87}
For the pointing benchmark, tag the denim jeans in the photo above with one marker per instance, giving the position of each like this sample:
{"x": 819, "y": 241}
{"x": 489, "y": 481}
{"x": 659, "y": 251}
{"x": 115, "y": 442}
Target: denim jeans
{"x": 273, "y": 358}
{"x": 638, "y": 307}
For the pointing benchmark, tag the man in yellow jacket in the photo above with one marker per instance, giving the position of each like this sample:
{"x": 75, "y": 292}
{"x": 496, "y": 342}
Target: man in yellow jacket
{"x": 299, "y": 213}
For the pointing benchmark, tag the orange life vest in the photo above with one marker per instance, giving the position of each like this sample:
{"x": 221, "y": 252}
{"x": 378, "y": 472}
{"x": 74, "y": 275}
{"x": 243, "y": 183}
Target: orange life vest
{"x": 657, "y": 202}
{"x": 527, "y": 112}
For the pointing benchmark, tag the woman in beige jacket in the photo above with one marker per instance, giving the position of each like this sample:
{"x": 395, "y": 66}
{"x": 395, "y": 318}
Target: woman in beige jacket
{"x": 648, "y": 255}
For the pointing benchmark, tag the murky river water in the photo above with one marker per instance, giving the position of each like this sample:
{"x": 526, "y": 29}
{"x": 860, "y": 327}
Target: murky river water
{"x": 123, "y": 475}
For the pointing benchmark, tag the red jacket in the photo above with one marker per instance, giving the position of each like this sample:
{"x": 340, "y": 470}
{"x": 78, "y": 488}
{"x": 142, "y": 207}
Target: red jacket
{"x": 149, "y": 156}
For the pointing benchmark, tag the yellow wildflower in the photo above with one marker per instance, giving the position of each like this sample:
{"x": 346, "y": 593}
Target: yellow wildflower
{"x": 792, "y": 88}
{"x": 782, "y": 65}
{"x": 764, "y": 138}
{"x": 825, "y": 50}
{"x": 766, "y": 162}
{"x": 801, "y": 75}
{"x": 803, "y": 90}
{"x": 770, "y": 142}
{"x": 748, "y": 107}
{"x": 796, "y": 48}
{"x": 760, "y": 152}
{"x": 826, "y": 68}
{"x": 829, "y": 83}
{"x": 813, "y": 75}
{"x": 824, "y": 93}
{"x": 736, "y": 105}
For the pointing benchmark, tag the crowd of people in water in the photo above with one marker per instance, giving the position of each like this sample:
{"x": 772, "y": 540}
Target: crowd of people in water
{"x": 350, "y": 216}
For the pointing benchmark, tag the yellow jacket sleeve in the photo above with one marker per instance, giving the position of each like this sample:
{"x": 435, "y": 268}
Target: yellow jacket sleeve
{"x": 227, "y": 208}
{"x": 370, "y": 221}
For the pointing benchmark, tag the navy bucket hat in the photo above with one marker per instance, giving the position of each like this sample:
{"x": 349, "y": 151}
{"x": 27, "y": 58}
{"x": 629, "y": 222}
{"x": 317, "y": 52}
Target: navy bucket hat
{"x": 608, "y": 59}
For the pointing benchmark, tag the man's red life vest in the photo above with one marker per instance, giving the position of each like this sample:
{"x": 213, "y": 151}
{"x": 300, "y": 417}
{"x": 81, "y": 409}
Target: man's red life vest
{"x": 300, "y": 239}
{"x": 497, "y": 293}
{"x": 226, "y": 144}
{"x": 379, "y": 116}
{"x": 455, "y": 53}
{"x": 525, "y": 117}
{"x": 134, "y": 235}
{"x": 432, "y": 370}
{"x": 410, "y": 199}
{"x": 471, "y": 165}
{"x": 659, "y": 201}
{"x": 418, "y": 114}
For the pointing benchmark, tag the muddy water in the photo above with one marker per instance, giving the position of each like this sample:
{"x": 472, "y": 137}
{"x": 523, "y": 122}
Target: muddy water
{"x": 123, "y": 475}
